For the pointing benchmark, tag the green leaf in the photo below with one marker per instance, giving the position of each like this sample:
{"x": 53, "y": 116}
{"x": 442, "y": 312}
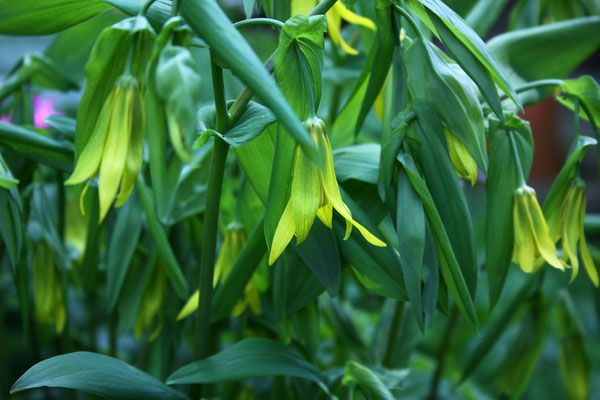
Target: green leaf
{"x": 366, "y": 379}
{"x": 446, "y": 88}
{"x": 504, "y": 177}
{"x": 484, "y": 15}
{"x": 211, "y": 23}
{"x": 249, "y": 358}
{"x": 411, "y": 229}
{"x": 7, "y": 180}
{"x": 96, "y": 374}
{"x": 43, "y": 17}
{"x": 121, "y": 245}
{"x": 254, "y": 120}
{"x": 587, "y": 90}
{"x": 321, "y": 254}
{"x": 447, "y": 193}
{"x": 30, "y": 144}
{"x": 360, "y": 162}
{"x": 163, "y": 247}
{"x": 11, "y": 229}
{"x": 449, "y": 267}
{"x": 549, "y": 51}
{"x": 469, "y": 39}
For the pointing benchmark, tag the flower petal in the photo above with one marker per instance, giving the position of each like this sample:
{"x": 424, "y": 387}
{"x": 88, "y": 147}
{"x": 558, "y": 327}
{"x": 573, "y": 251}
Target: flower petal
{"x": 89, "y": 159}
{"x": 190, "y": 306}
{"x": 352, "y": 17}
{"x": 325, "y": 214}
{"x": 115, "y": 151}
{"x": 524, "y": 245}
{"x": 283, "y": 233}
{"x": 333, "y": 28}
{"x": 305, "y": 195}
{"x": 571, "y": 228}
{"x": 588, "y": 262}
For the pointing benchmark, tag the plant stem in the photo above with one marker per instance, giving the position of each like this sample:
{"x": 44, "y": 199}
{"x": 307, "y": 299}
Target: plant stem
{"x": 211, "y": 223}
{"x": 444, "y": 346}
{"x": 535, "y": 85}
{"x": 322, "y": 7}
{"x": 259, "y": 21}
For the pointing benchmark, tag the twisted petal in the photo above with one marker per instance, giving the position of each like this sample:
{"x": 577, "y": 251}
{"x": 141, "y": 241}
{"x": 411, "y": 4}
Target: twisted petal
{"x": 541, "y": 234}
{"x": 351, "y": 17}
{"x": 571, "y": 228}
{"x": 588, "y": 262}
{"x": 333, "y": 194}
{"x": 115, "y": 151}
{"x": 283, "y": 233}
{"x": 333, "y": 28}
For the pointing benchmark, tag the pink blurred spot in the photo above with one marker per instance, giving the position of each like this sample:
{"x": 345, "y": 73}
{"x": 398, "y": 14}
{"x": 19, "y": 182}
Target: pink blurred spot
{"x": 42, "y": 109}
{"x": 5, "y": 118}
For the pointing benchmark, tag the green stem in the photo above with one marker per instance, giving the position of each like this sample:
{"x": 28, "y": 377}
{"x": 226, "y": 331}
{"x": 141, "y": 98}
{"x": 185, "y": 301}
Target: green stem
{"x": 334, "y": 105}
{"x": 211, "y": 223}
{"x": 535, "y": 85}
{"x": 259, "y": 21}
{"x": 513, "y": 145}
{"x": 146, "y": 7}
{"x": 441, "y": 358}
{"x": 322, "y": 7}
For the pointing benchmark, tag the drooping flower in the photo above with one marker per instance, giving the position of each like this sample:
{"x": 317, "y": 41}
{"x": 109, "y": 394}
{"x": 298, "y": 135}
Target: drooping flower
{"x": 48, "y": 291}
{"x": 334, "y": 16}
{"x": 114, "y": 150}
{"x": 566, "y": 223}
{"x": 533, "y": 245}
{"x": 314, "y": 193}
{"x": 234, "y": 242}
{"x": 461, "y": 159}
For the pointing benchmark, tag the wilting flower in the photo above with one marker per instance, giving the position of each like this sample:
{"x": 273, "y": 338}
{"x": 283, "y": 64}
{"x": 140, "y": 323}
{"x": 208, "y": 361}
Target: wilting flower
{"x": 114, "y": 149}
{"x": 334, "y": 20}
{"x": 48, "y": 292}
{"x": 566, "y": 222}
{"x": 234, "y": 242}
{"x": 314, "y": 193}
{"x": 533, "y": 245}
{"x": 461, "y": 159}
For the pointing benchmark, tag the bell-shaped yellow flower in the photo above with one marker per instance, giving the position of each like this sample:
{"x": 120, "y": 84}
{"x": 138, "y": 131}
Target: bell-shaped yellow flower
{"x": 566, "y": 223}
{"x": 533, "y": 245}
{"x": 334, "y": 16}
{"x": 234, "y": 242}
{"x": 48, "y": 291}
{"x": 461, "y": 159}
{"x": 114, "y": 150}
{"x": 314, "y": 193}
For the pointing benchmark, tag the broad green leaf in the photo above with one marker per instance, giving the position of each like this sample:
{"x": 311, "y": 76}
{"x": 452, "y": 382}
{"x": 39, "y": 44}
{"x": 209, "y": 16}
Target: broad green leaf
{"x": 256, "y": 159}
{"x": 502, "y": 181}
{"x": 162, "y": 243}
{"x": 211, "y": 23}
{"x": 360, "y": 162}
{"x": 587, "y": 90}
{"x": 549, "y": 51}
{"x": 449, "y": 267}
{"x": 32, "y": 145}
{"x": 321, "y": 254}
{"x": 299, "y": 285}
{"x": 43, "y": 17}
{"x": 298, "y": 65}
{"x": 121, "y": 245}
{"x": 447, "y": 193}
{"x": 45, "y": 214}
{"x": 411, "y": 230}
{"x": 375, "y": 267}
{"x": 431, "y": 79}
{"x": 367, "y": 380}
{"x": 158, "y": 13}
{"x": 253, "y": 121}
{"x": 469, "y": 39}
{"x": 96, "y": 374}
{"x": 342, "y": 133}
{"x": 249, "y": 358}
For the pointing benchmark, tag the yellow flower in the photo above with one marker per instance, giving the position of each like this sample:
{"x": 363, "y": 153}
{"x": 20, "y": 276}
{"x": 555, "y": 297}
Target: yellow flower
{"x": 114, "y": 150}
{"x": 314, "y": 193}
{"x": 566, "y": 223}
{"x": 48, "y": 292}
{"x": 234, "y": 242}
{"x": 462, "y": 161}
{"x": 334, "y": 20}
{"x": 533, "y": 244}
